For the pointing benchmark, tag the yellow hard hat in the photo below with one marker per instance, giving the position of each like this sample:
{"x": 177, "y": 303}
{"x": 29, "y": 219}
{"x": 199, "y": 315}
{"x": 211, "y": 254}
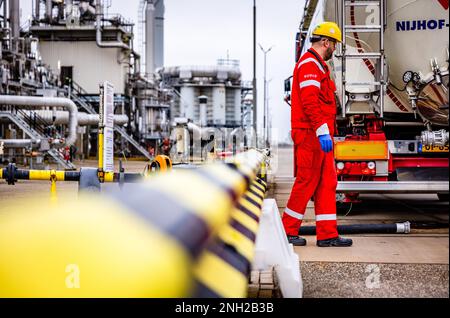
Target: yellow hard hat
{"x": 329, "y": 30}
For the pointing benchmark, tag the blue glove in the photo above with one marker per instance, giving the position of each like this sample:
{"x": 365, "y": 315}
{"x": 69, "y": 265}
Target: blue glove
{"x": 326, "y": 143}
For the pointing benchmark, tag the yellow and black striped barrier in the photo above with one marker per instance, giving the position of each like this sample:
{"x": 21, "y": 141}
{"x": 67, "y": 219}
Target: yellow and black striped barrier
{"x": 166, "y": 237}
{"x": 223, "y": 268}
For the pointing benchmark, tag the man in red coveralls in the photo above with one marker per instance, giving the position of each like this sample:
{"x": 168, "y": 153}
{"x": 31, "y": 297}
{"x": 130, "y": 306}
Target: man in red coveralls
{"x": 313, "y": 117}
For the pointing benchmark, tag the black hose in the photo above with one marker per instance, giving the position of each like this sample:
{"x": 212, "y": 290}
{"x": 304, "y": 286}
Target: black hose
{"x": 360, "y": 229}
{"x": 393, "y": 228}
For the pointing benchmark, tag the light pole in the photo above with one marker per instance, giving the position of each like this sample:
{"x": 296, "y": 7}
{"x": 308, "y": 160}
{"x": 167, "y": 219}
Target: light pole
{"x": 255, "y": 113}
{"x": 265, "y": 91}
{"x": 269, "y": 115}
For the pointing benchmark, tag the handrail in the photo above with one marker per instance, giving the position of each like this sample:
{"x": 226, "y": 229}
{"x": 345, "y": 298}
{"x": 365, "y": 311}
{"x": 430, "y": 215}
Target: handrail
{"x": 33, "y": 120}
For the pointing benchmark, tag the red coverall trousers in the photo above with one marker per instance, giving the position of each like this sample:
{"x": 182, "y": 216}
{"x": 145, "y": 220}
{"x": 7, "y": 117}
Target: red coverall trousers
{"x": 316, "y": 176}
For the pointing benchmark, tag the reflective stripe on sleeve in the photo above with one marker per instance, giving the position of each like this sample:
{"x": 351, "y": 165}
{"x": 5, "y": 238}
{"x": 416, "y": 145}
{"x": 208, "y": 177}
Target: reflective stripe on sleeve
{"x": 326, "y": 217}
{"x": 308, "y": 60}
{"x": 322, "y": 130}
{"x": 293, "y": 214}
{"x": 310, "y": 83}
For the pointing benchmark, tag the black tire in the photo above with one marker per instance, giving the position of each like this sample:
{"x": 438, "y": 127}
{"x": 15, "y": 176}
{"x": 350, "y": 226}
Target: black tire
{"x": 444, "y": 197}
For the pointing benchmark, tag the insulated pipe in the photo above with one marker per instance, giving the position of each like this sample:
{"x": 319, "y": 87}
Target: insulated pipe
{"x": 5, "y": 15}
{"x": 205, "y": 133}
{"x": 48, "y": 10}
{"x": 395, "y": 228}
{"x": 196, "y": 130}
{"x": 149, "y": 37}
{"x": 159, "y": 33}
{"x": 68, "y": 3}
{"x": 37, "y": 9}
{"x": 68, "y": 8}
{"x": 14, "y": 18}
{"x": 98, "y": 37}
{"x": 31, "y": 101}
{"x": 203, "y": 101}
{"x": 20, "y": 143}
{"x": 84, "y": 119}
{"x": 220, "y": 71}
{"x": 85, "y": 6}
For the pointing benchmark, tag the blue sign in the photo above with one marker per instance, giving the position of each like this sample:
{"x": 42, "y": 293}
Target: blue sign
{"x": 417, "y": 25}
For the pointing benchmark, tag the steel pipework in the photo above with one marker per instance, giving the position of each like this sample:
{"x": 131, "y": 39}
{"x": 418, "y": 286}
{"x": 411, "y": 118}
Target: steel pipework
{"x": 98, "y": 26}
{"x": 32, "y": 101}
{"x": 20, "y": 143}
{"x": 217, "y": 71}
{"x": 62, "y": 117}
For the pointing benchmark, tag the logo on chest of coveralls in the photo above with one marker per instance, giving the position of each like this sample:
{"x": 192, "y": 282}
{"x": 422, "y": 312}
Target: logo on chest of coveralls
{"x": 310, "y": 76}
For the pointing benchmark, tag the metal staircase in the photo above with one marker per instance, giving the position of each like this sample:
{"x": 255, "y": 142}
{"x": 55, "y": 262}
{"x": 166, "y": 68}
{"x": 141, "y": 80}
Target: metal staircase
{"x": 24, "y": 122}
{"x": 58, "y": 157}
{"x": 76, "y": 95}
{"x": 82, "y": 103}
{"x": 350, "y": 98}
{"x": 132, "y": 141}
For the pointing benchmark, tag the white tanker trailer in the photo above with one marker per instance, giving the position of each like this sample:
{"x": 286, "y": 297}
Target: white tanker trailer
{"x": 392, "y": 78}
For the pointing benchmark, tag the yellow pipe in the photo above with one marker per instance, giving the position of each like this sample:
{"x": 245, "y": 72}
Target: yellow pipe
{"x": 1, "y": 173}
{"x": 109, "y": 176}
{"x": 46, "y": 175}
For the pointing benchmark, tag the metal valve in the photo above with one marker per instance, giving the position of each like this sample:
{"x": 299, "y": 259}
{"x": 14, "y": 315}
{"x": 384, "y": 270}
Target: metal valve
{"x": 435, "y": 138}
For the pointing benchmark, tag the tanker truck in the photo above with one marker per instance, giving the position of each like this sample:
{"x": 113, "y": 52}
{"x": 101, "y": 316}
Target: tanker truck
{"x": 392, "y": 79}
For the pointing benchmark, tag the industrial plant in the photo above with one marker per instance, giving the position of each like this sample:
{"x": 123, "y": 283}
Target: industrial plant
{"x": 48, "y": 68}
{"x": 124, "y": 176}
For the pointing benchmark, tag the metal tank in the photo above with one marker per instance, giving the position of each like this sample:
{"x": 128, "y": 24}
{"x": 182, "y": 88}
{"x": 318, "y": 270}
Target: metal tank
{"x": 416, "y": 52}
{"x": 391, "y": 73}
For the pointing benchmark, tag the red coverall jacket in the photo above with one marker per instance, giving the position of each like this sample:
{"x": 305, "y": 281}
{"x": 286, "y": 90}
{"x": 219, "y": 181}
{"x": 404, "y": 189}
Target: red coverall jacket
{"x": 313, "y": 101}
{"x": 313, "y": 113}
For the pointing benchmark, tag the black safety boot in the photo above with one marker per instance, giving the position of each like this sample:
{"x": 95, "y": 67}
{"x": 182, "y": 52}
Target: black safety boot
{"x": 296, "y": 240}
{"x": 335, "y": 242}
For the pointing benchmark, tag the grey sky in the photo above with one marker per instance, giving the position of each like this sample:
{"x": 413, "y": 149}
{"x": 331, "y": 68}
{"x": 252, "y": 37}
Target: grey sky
{"x": 201, "y": 31}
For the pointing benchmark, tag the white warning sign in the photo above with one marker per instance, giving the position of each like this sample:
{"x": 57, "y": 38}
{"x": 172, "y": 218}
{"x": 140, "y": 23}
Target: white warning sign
{"x": 107, "y": 121}
{"x": 108, "y": 104}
